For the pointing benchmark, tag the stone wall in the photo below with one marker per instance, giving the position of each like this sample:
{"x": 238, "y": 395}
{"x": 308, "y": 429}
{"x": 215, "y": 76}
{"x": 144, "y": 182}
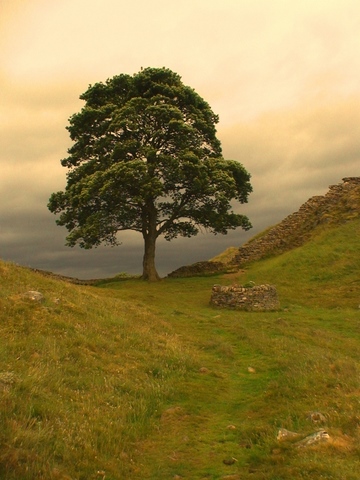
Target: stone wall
{"x": 257, "y": 298}
{"x": 199, "y": 269}
{"x": 341, "y": 203}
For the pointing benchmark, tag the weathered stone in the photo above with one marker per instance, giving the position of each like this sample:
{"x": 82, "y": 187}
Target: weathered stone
{"x": 199, "y": 268}
{"x": 315, "y": 438}
{"x": 7, "y": 379}
{"x": 317, "y": 417}
{"x": 341, "y": 203}
{"x": 34, "y": 295}
{"x": 258, "y": 298}
{"x": 286, "y": 435}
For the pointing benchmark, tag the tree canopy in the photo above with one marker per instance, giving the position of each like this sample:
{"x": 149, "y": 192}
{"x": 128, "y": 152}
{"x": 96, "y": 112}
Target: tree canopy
{"x": 146, "y": 158}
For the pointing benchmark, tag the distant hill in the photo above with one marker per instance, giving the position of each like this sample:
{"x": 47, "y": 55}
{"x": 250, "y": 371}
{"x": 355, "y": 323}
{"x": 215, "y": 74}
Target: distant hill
{"x": 339, "y": 205}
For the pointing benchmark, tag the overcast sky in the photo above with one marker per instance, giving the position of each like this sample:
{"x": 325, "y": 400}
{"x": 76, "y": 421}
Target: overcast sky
{"x": 283, "y": 75}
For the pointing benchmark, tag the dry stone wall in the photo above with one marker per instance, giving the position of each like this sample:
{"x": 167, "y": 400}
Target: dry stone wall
{"x": 341, "y": 203}
{"x": 257, "y": 298}
{"x": 198, "y": 269}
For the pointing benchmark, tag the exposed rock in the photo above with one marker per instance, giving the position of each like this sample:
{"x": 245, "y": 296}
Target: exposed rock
{"x": 34, "y": 295}
{"x": 7, "y": 379}
{"x": 287, "y": 435}
{"x": 317, "y": 417}
{"x": 256, "y": 298}
{"x": 199, "y": 268}
{"x": 315, "y": 438}
{"x": 341, "y": 203}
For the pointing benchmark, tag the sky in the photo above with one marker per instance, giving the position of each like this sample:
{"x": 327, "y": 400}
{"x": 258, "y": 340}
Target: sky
{"x": 283, "y": 76}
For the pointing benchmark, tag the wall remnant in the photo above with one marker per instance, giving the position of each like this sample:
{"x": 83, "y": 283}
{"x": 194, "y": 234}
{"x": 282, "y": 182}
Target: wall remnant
{"x": 258, "y": 298}
{"x": 340, "y": 204}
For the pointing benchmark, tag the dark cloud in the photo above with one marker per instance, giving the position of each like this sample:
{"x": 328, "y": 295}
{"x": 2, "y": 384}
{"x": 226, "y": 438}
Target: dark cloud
{"x": 292, "y": 155}
{"x": 283, "y": 78}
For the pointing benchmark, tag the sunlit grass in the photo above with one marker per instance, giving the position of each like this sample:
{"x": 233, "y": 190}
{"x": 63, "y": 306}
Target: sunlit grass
{"x": 130, "y": 380}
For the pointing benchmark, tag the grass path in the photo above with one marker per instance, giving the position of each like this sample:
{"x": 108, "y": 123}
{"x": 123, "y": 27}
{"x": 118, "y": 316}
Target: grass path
{"x": 224, "y": 412}
{"x": 136, "y": 381}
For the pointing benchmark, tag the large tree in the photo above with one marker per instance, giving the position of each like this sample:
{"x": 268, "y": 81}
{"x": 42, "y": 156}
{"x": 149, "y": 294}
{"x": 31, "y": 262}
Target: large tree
{"x": 146, "y": 158}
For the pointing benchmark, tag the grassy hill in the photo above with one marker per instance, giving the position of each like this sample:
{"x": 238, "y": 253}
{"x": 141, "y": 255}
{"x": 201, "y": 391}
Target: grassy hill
{"x": 128, "y": 380}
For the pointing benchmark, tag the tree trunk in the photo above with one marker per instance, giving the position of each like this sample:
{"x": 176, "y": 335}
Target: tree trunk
{"x": 149, "y": 269}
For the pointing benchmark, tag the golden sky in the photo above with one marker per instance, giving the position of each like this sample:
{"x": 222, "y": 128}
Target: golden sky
{"x": 284, "y": 77}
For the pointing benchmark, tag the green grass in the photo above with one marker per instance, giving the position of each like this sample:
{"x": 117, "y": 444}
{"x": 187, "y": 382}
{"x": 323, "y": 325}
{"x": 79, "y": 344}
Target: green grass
{"x": 323, "y": 272}
{"x": 129, "y": 380}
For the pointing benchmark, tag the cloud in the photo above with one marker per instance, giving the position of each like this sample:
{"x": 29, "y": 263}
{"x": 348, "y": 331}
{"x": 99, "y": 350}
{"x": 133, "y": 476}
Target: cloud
{"x": 294, "y": 154}
{"x": 283, "y": 77}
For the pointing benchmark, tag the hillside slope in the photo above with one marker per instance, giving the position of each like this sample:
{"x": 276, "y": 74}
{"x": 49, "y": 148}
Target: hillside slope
{"x": 340, "y": 205}
{"x": 76, "y": 382}
{"x": 325, "y": 271}
{"x": 136, "y": 381}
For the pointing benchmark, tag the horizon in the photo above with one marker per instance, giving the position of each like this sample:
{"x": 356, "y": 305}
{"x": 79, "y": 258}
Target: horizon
{"x": 283, "y": 78}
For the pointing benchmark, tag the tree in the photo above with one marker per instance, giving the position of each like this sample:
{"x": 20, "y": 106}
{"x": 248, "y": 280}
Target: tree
{"x": 146, "y": 158}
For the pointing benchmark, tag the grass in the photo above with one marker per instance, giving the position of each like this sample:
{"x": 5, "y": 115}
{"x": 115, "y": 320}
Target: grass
{"x": 226, "y": 256}
{"x": 128, "y": 380}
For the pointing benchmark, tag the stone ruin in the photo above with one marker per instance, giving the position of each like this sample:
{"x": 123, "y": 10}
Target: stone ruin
{"x": 339, "y": 205}
{"x": 257, "y": 298}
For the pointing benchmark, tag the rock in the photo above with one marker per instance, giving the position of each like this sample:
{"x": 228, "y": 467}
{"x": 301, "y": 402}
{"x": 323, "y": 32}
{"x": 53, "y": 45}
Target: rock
{"x": 315, "y": 438}
{"x": 259, "y": 298}
{"x": 7, "y": 379}
{"x": 251, "y": 370}
{"x": 34, "y": 296}
{"x": 287, "y": 435}
{"x": 199, "y": 269}
{"x": 296, "y": 229}
{"x": 317, "y": 417}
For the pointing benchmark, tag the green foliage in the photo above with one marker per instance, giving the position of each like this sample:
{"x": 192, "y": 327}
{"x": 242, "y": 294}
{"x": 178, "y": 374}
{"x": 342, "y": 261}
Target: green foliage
{"x": 146, "y": 158}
